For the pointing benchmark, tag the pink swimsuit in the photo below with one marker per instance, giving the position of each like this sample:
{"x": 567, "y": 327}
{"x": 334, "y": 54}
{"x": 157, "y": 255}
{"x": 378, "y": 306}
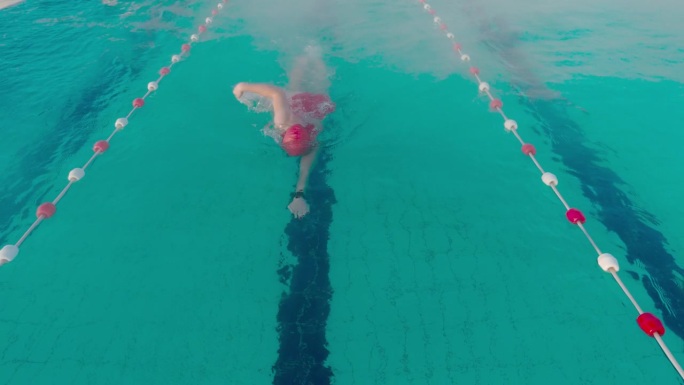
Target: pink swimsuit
{"x": 311, "y": 106}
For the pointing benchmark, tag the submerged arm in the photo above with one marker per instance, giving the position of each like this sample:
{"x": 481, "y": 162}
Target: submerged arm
{"x": 299, "y": 207}
{"x": 304, "y": 167}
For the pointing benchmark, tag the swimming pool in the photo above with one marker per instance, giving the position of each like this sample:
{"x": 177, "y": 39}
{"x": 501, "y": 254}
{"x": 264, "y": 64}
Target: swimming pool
{"x": 433, "y": 253}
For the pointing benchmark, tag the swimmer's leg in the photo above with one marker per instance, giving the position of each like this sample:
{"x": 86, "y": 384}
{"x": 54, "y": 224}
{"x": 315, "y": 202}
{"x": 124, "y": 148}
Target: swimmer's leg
{"x": 296, "y": 77}
{"x": 320, "y": 73}
{"x": 309, "y": 73}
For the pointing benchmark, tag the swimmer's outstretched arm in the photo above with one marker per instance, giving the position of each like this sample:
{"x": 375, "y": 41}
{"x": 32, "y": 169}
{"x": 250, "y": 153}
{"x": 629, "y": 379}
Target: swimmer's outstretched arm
{"x": 281, "y": 109}
{"x": 299, "y": 207}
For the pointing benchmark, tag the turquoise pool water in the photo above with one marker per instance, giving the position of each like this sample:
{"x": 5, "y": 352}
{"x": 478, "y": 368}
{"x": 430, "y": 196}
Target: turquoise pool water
{"x": 433, "y": 253}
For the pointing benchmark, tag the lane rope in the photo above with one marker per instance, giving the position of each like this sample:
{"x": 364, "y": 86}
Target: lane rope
{"x": 649, "y": 323}
{"x": 48, "y": 209}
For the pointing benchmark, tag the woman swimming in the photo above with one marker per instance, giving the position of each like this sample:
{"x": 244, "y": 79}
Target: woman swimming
{"x": 297, "y": 117}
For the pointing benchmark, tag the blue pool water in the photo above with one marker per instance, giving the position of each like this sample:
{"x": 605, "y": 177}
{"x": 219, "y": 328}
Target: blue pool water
{"x": 433, "y": 253}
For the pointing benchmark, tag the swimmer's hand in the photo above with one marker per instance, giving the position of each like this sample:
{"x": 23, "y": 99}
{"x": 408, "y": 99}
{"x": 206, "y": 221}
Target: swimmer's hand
{"x": 298, "y": 207}
{"x": 239, "y": 90}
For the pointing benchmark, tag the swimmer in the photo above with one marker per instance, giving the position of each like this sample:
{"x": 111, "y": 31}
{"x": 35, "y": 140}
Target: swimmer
{"x": 298, "y": 112}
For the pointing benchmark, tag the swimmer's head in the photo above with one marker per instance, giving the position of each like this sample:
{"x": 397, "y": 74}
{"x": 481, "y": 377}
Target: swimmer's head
{"x": 297, "y": 140}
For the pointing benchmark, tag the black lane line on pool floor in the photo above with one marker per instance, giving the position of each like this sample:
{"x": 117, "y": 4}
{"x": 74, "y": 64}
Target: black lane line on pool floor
{"x": 304, "y": 309}
{"x": 600, "y": 184}
{"x": 617, "y": 212}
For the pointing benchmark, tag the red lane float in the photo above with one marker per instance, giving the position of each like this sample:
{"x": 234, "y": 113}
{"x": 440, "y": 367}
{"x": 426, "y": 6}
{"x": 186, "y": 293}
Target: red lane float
{"x": 46, "y": 210}
{"x": 649, "y": 323}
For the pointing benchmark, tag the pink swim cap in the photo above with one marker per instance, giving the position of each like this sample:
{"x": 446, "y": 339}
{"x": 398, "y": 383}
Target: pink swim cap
{"x": 297, "y": 140}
